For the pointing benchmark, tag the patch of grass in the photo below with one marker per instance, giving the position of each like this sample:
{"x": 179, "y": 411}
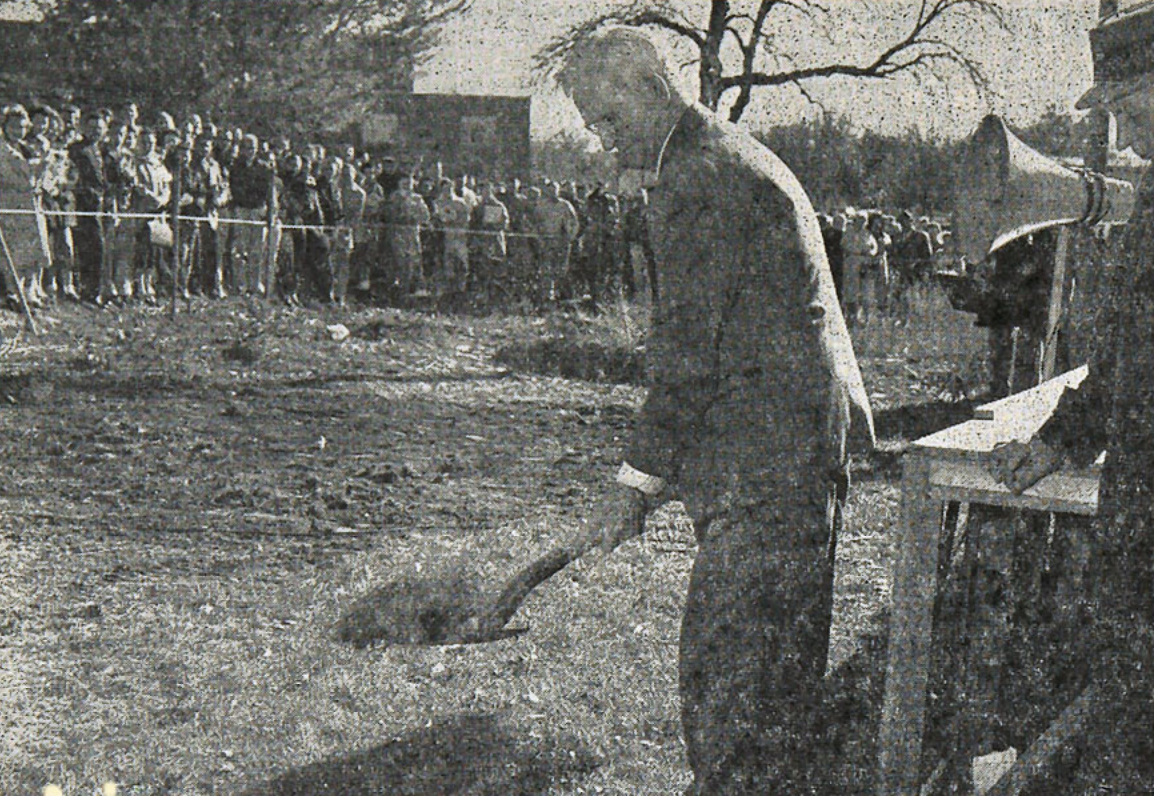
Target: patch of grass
{"x": 185, "y": 529}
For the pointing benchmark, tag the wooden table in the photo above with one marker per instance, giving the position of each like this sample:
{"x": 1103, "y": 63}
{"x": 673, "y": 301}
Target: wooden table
{"x": 952, "y": 465}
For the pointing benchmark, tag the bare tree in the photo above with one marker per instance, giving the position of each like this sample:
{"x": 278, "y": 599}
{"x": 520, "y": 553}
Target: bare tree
{"x": 925, "y": 46}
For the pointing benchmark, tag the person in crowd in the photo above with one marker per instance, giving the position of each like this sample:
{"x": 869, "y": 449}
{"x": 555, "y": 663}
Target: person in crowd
{"x": 55, "y": 193}
{"x": 93, "y": 196}
{"x": 594, "y": 264}
{"x": 876, "y": 281}
{"x": 912, "y": 261}
{"x": 313, "y": 275}
{"x": 71, "y": 132}
{"x": 408, "y": 213}
{"x": 832, "y": 237}
{"x": 522, "y": 242}
{"x": 452, "y": 217}
{"x": 860, "y": 250}
{"x": 365, "y": 262}
{"x": 251, "y": 183}
{"x": 205, "y": 183}
{"x": 638, "y": 243}
{"x": 26, "y": 235}
{"x": 116, "y": 281}
{"x": 559, "y": 226}
{"x": 153, "y": 191}
{"x": 432, "y": 244}
{"x": 491, "y": 219}
{"x": 752, "y": 383}
{"x": 348, "y": 209}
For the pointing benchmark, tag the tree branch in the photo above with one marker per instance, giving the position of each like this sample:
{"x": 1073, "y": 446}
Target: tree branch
{"x": 639, "y": 14}
{"x": 913, "y": 51}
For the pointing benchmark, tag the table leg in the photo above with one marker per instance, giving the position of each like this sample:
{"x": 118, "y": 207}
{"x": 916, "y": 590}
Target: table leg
{"x": 911, "y": 628}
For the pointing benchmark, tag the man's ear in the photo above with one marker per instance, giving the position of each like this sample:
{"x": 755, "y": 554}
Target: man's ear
{"x": 657, "y": 86}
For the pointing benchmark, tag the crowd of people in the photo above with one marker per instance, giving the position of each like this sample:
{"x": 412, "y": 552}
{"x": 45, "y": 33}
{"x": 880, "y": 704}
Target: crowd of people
{"x": 88, "y": 198}
{"x": 876, "y": 258}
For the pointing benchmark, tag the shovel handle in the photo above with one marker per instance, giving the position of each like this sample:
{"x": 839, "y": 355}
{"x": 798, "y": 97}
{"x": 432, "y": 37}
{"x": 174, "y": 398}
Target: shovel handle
{"x": 540, "y": 570}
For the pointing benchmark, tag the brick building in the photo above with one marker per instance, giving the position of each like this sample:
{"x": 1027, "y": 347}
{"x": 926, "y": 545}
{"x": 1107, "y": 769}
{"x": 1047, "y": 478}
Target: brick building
{"x": 486, "y": 136}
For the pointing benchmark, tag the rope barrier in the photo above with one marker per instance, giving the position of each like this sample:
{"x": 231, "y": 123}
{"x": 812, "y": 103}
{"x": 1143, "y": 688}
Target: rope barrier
{"x": 13, "y": 211}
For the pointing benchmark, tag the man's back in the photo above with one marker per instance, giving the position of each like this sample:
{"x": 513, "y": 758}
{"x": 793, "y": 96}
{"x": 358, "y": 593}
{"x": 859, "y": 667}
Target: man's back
{"x": 753, "y": 337}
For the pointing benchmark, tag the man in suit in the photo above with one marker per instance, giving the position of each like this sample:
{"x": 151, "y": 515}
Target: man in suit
{"x": 92, "y": 195}
{"x": 752, "y": 382}
{"x": 1113, "y": 410}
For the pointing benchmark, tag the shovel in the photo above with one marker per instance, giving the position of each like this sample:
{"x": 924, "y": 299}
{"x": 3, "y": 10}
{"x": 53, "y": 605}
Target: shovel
{"x": 450, "y": 607}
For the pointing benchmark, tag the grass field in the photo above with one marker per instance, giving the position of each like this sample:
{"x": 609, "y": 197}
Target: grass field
{"x": 188, "y": 506}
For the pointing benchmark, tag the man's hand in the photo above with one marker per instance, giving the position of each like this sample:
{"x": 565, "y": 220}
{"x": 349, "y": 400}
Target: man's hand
{"x": 1020, "y": 465}
{"x": 620, "y": 517}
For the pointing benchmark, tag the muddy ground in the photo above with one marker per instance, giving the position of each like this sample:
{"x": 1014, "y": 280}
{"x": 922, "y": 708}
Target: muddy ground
{"x": 188, "y": 505}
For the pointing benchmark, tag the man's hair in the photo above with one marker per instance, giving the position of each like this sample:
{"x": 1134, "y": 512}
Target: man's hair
{"x": 608, "y": 50}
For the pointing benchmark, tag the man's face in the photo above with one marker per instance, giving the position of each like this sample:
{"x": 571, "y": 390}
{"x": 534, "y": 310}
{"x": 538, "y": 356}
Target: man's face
{"x": 1135, "y": 115}
{"x": 248, "y": 149}
{"x": 96, "y": 128}
{"x": 623, "y": 111}
{"x": 40, "y": 124}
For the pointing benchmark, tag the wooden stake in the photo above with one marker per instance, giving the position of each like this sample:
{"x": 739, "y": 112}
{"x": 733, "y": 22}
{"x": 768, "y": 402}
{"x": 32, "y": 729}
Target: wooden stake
{"x": 177, "y": 190}
{"x": 19, "y": 287}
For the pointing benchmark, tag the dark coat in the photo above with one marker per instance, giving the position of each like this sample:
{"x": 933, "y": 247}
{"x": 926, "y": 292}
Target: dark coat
{"x": 749, "y": 358}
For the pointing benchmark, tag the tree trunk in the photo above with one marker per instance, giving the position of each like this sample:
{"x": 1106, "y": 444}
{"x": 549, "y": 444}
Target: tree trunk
{"x": 709, "y": 68}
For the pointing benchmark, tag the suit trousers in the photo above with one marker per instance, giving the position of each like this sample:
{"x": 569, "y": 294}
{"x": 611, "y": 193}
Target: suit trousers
{"x": 754, "y": 643}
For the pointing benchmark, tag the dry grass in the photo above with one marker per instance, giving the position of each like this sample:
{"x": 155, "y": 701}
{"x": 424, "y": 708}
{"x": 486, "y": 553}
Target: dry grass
{"x": 183, "y": 528}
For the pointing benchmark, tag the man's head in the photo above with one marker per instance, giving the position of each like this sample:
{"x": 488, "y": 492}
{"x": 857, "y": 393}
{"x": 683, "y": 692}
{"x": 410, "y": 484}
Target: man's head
{"x": 16, "y": 123}
{"x": 625, "y": 93}
{"x": 96, "y": 126}
{"x": 248, "y": 147}
{"x": 1123, "y": 47}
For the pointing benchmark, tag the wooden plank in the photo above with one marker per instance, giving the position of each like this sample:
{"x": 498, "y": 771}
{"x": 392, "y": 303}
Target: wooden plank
{"x": 1039, "y": 758}
{"x": 1066, "y": 492}
{"x": 1057, "y": 304}
{"x": 1039, "y": 400}
{"x": 911, "y": 626}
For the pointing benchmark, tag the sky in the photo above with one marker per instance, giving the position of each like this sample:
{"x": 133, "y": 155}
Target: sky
{"x": 1041, "y": 62}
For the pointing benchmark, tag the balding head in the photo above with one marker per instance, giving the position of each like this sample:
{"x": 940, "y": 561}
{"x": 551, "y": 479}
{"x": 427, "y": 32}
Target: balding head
{"x": 624, "y": 91}
{"x": 604, "y": 55}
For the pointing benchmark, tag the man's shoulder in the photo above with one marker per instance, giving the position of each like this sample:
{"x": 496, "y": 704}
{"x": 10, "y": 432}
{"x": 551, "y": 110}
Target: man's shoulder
{"x": 711, "y": 149}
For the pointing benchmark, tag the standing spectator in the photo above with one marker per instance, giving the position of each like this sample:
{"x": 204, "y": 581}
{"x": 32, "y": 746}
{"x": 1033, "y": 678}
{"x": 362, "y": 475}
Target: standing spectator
{"x": 860, "y": 250}
{"x": 409, "y": 214}
{"x": 53, "y": 193}
{"x": 153, "y": 192}
{"x": 492, "y": 221}
{"x": 71, "y": 132}
{"x": 117, "y": 282}
{"x": 204, "y": 182}
{"x": 432, "y": 244}
{"x": 875, "y": 287}
{"x": 638, "y": 242}
{"x": 558, "y": 226}
{"x": 350, "y": 208}
{"x": 58, "y": 184}
{"x": 522, "y": 240}
{"x": 92, "y": 196}
{"x": 593, "y": 264}
{"x": 831, "y": 235}
{"x": 913, "y": 260}
{"x": 26, "y": 235}
{"x": 250, "y": 180}
{"x": 452, "y": 214}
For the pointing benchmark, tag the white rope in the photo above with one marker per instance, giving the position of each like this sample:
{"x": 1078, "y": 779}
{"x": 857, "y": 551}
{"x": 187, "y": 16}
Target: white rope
{"x": 14, "y": 211}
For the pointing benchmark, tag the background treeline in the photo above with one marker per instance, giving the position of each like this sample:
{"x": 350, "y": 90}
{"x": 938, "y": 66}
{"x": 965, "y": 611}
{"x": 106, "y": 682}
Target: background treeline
{"x": 840, "y": 166}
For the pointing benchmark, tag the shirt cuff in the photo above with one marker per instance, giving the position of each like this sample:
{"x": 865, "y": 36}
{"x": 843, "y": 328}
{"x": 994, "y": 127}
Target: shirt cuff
{"x": 649, "y": 485}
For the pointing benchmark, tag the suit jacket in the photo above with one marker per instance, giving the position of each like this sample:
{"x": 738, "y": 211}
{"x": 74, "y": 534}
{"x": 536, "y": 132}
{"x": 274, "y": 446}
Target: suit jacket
{"x": 752, "y": 372}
